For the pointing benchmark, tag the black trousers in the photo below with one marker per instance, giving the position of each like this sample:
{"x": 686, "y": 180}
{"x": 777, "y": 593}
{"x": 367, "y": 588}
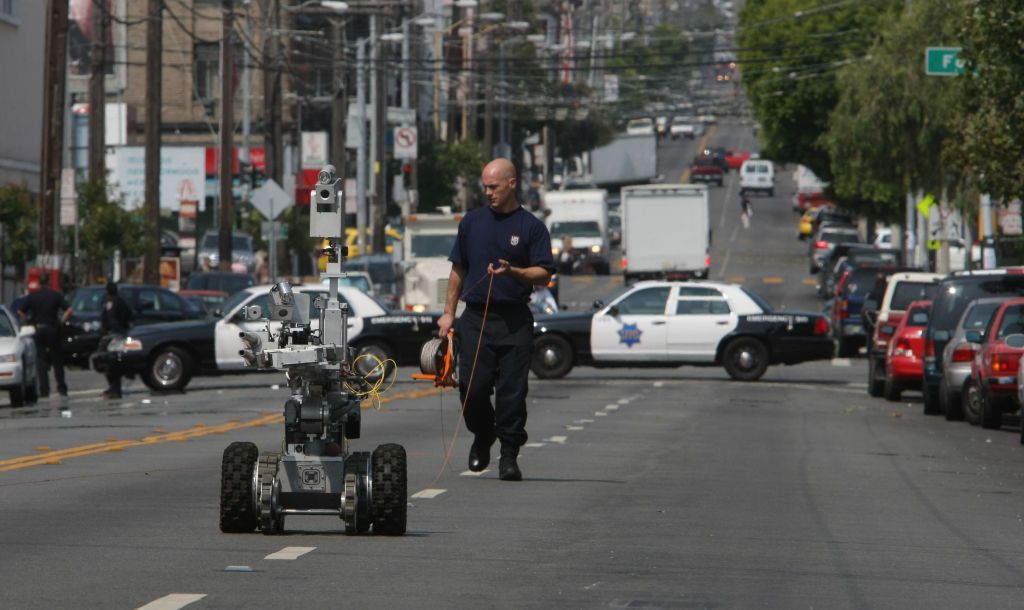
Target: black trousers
{"x": 113, "y": 379}
{"x": 502, "y": 367}
{"x": 47, "y": 339}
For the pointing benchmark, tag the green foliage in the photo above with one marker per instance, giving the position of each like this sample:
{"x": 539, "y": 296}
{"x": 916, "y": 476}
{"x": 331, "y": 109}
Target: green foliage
{"x": 993, "y": 130}
{"x": 893, "y": 126}
{"x": 298, "y": 241}
{"x": 440, "y": 164}
{"x": 788, "y": 62}
{"x": 105, "y": 226}
{"x": 18, "y": 219}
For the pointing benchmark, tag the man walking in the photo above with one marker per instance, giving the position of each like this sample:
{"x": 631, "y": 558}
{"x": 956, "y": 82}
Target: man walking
{"x": 115, "y": 320}
{"x": 42, "y": 309}
{"x": 506, "y": 248}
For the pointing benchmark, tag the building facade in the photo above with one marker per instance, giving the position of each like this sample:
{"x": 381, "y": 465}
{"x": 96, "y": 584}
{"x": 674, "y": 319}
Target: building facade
{"x": 22, "y": 36}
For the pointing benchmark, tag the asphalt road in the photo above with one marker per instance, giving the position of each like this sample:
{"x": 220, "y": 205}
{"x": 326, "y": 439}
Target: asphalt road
{"x": 647, "y": 488}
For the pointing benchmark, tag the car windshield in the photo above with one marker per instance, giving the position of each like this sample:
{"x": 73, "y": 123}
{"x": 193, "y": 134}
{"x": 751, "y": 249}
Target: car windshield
{"x": 979, "y": 315}
{"x": 577, "y": 228}
{"x": 918, "y": 316}
{"x": 1012, "y": 322}
{"x": 88, "y": 300}
{"x": 381, "y": 270}
{"x": 237, "y": 299}
{"x": 357, "y": 281}
{"x": 908, "y": 292}
{"x": 952, "y": 297}
{"x": 6, "y": 328}
{"x": 433, "y": 244}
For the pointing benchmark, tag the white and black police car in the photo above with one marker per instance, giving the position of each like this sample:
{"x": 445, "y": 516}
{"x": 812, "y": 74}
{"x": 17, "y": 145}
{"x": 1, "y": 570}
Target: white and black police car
{"x": 668, "y": 324}
{"x": 167, "y": 356}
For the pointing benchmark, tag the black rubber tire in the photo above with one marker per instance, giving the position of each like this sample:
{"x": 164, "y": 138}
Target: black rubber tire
{"x": 991, "y": 413}
{"x": 388, "y": 509}
{"x": 892, "y": 390}
{"x": 368, "y": 367}
{"x": 168, "y": 370}
{"x": 950, "y": 404}
{"x": 931, "y": 400}
{"x": 552, "y": 358}
{"x": 731, "y": 359}
{"x": 237, "y": 502}
{"x": 970, "y": 402}
{"x": 876, "y": 382}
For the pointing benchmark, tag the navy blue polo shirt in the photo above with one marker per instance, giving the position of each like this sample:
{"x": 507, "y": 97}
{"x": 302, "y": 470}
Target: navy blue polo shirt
{"x": 486, "y": 236}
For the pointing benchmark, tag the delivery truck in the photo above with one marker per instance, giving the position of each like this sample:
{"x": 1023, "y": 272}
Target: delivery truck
{"x": 578, "y": 223}
{"x": 628, "y": 159}
{"x": 666, "y": 232}
{"x": 426, "y": 244}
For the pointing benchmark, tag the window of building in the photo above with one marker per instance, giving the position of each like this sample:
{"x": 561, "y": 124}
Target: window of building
{"x": 206, "y": 73}
{"x": 9, "y": 11}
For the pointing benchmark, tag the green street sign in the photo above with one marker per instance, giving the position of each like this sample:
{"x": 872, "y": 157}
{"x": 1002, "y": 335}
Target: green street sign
{"x": 943, "y": 61}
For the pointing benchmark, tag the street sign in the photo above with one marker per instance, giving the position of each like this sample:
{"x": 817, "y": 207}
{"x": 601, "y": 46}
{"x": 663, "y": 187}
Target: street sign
{"x": 405, "y": 142}
{"x": 270, "y": 199}
{"x": 943, "y": 61}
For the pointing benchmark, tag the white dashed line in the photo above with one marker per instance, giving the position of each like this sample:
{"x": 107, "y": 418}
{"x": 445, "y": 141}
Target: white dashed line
{"x": 574, "y": 427}
{"x": 601, "y": 413}
{"x": 658, "y": 384}
{"x": 625, "y": 401}
{"x": 470, "y": 473}
{"x": 429, "y": 493}
{"x": 291, "y": 552}
{"x": 238, "y": 569}
{"x": 611, "y": 408}
{"x": 173, "y": 601}
{"x": 533, "y": 445}
{"x": 557, "y": 439}
{"x": 841, "y": 362}
{"x": 583, "y": 421}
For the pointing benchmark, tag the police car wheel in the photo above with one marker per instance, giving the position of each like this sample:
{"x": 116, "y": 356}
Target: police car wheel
{"x": 237, "y": 502}
{"x": 169, "y": 370}
{"x": 552, "y": 357}
{"x": 746, "y": 359}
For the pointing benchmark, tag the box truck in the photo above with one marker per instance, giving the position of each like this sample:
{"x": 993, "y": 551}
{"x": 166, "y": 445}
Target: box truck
{"x": 666, "y": 232}
{"x": 579, "y": 219}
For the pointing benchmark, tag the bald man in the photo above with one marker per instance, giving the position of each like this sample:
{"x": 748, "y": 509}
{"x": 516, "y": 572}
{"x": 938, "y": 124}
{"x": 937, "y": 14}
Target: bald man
{"x": 507, "y": 247}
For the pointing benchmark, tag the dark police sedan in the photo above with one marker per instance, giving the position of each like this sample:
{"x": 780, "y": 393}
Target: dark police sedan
{"x": 167, "y": 356}
{"x": 668, "y": 324}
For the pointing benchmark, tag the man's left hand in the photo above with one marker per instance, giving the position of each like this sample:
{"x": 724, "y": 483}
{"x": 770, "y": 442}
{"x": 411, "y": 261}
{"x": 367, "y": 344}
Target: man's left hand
{"x": 502, "y": 268}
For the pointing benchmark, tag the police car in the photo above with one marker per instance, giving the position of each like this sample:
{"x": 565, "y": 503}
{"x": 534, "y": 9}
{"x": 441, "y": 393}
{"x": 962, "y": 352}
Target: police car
{"x": 668, "y": 324}
{"x": 167, "y": 356}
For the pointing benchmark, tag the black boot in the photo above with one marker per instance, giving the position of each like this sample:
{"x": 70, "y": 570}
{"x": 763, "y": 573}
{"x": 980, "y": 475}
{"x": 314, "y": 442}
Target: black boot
{"x": 508, "y": 469}
{"x": 480, "y": 454}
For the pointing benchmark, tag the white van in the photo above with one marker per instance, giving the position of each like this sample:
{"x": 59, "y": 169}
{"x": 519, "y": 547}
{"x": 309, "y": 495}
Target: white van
{"x": 757, "y": 175}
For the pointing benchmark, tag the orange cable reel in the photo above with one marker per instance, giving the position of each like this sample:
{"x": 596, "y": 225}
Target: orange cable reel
{"x": 437, "y": 362}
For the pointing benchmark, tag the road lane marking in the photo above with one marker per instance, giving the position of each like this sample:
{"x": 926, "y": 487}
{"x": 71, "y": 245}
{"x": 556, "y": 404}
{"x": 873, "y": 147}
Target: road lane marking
{"x": 428, "y": 493}
{"x": 625, "y": 401}
{"x": 600, "y": 413}
{"x": 470, "y": 473}
{"x": 611, "y": 407}
{"x": 239, "y": 569}
{"x": 809, "y": 281}
{"x": 583, "y": 421}
{"x": 557, "y": 439}
{"x": 180, "y": 436}
{"x": 534, "y": 445}
{"x": 290, "y": 553}
{"x": 574, "y": 428}
{"x": 773, "y": 279}
{"x": 841, "y": 362}
{"x": 735, "y": 279}
{"x": 173, "y": 601}
{"x": 659, "y": 384}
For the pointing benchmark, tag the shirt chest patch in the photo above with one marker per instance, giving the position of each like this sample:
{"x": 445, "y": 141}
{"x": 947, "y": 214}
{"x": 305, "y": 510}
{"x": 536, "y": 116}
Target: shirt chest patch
{"x": 514, "y": 240}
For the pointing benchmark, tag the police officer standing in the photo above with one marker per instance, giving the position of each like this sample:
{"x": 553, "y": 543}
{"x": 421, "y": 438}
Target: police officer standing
{"x": 507, "y": 247}
{"x": 42, "y": 309}
{"x": 115, "y": 320}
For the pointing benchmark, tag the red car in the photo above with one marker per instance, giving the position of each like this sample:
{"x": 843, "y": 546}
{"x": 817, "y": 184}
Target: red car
{"x": 991, "y": 389}
{"x": 904, "y": 357}
{"x": 735, "y": 158}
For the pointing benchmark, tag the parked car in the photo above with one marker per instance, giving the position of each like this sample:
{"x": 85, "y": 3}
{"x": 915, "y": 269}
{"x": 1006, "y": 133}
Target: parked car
{"x": 167, "y": 356}
{"x": 385, "y": 273}
{"x": 757, "y": 176}
{"x": 806, "y": 223}
{"x": 882, "y": 316}
{"x": 17, "y": 360}
{"x": 643, "y": 126}
{"x": 224, "y": 281}
{"x": 706, "y": 169}
{"x": 904, "y": 363}
{"x": 210, "y": 300}
{"x": 991, "y": 389}
{"x": 614, "y": 228}
{"x": 150, "y": 305}
{"x": 953, "y": 295}
{"x": 241, "y": 250}
{"x": 682, "y": 126}
{"x": 357, "y": 279}
{"x": 668, "y": 324}
{"x": 959, "y": 354}
{"x": 735, "y": 158}
{"x": 822, "y": 245}
{"x": 851, "y": 292}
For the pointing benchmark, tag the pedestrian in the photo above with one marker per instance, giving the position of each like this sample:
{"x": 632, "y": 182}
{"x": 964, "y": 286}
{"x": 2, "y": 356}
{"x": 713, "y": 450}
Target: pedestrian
{"x": 746, "y": 211}
{"x": 42, "y": 309}
{"x": 115, "y": 320}
{"x": 502, "y": 251}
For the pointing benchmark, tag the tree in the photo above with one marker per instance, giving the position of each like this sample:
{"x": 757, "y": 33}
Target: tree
{"x": 444, "y": 164}
{"x": 893, "y": 127}
{"x": 18, "y": 223}
{"x": 105, "y": 226}
{"x": 993, "y": 134}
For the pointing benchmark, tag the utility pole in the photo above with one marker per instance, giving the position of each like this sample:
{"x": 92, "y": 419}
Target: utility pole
{"x": 361, "y": 155}
{"x": 154, "y": 92}
{"x": 380, "y": 199}
{"x": 339, "y": 105}
{"x": 227, "y": 129}
{"x": 273, "y": 135}
{"x": 53, "y": 120}
{"x": 98, "y": 55}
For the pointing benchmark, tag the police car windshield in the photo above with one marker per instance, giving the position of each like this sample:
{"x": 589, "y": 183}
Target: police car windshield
{"x": 88, "y": 300}
{"x": 580, "y": 228}
{"x": 433, "y": 245}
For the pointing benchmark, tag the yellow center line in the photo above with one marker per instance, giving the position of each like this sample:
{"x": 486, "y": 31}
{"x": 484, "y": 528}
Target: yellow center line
{"x": 773, "y": 280}
{"x": 197, "y": 431}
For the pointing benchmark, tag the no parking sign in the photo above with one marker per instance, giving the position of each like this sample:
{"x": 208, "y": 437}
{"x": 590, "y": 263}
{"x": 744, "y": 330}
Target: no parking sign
{"x": 405, "y": 142}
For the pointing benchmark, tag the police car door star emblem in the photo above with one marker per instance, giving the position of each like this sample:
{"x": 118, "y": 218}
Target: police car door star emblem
{"x": 630, "y": 334}
{"x": 515, "y": 240}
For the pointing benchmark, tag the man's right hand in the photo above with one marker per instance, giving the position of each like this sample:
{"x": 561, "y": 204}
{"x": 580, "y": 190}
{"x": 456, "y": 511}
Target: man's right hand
{"x": 444, "y": 324}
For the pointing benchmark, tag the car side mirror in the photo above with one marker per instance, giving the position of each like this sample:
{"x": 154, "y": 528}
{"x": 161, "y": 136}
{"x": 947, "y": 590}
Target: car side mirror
{"x": 598, "y": 304}
{"x": 613, "y": 311}
{"x": 973, "y": 336}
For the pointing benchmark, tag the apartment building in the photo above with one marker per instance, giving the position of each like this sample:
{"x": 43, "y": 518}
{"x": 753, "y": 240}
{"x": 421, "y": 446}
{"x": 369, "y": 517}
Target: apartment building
{"x": 22, "y": 36}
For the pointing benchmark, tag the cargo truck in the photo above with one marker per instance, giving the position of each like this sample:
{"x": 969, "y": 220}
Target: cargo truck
{"x": 628, "y": 159}
{"x": 666, "y": 232}
{"x": 582, "y": 217}
{"x": 426, "y": 245}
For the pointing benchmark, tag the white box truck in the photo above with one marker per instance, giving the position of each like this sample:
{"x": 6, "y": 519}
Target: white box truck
{"x": 426, "y": 245}
{"x": 628, "y": 159}
{"x": 666, "y": 232}
{"x": 582, "y": 217}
